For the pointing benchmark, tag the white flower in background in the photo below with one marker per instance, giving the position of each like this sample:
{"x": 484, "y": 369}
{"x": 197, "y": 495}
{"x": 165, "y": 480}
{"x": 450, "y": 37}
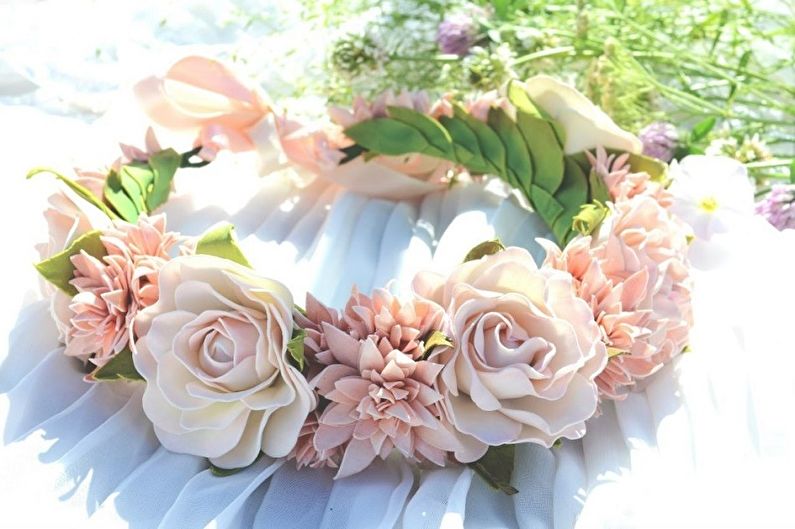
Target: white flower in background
{"x": 710, "y": 193}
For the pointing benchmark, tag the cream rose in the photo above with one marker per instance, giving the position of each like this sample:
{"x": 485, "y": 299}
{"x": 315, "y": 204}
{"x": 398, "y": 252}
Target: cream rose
{"x": 586, "y": 125}
{"x": 526, "y": 353}
{"x": 213, "y": 351}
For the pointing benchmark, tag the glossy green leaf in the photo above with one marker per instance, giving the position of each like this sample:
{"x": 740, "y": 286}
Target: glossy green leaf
{"x": 119, "y": 367}
{"x": 81, "y": 191}
{"x": 483, "y": 249}
{"x": 496, "y": 468}
{"x": 517, "y": 155}
{"x": 491, "y": 147}
{"x": 220, "y": 241}
{"x": 118, "y": 198}
{"x": 59, "y": 269}
{"x": 296, "y": 348}
{"x": 387, "y": 136}
{"x": 164, "y": 165}
{"x": 440, "y": 144}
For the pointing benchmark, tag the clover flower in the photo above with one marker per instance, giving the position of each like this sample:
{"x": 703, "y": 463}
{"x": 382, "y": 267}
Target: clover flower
{"x": 778, "y": 207}
{"x": 659, "y": 140}
{"x": 456, "y": 34}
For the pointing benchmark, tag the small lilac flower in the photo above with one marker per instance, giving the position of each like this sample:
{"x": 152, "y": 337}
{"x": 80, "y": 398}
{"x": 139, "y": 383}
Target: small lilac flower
{"x": 659, "y": 140}
{"x": 456, "y": 34}
{"x": 778, "y": 207}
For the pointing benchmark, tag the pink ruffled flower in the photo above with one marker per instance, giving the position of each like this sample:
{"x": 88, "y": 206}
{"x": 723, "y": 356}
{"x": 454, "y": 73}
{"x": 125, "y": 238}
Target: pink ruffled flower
{"x": 317, "y": 149}
{"x": 306, "y": 455}
{"x": 621, "y": 182}
{"x": 635, "y": 278}
{"x": 112, "y": 290}
{"x": 525, "y": 356}
{"x": 380, "y": 388}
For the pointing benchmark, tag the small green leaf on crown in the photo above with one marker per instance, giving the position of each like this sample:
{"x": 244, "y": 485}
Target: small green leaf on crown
{"x": 296, "y": 348}
{"x": 496, "y": 468}
{"x": 59, "y": 269}
{"x": 119, "y": 367}
{"x": 220, "y": 241}
{"x": 483, "y": 249}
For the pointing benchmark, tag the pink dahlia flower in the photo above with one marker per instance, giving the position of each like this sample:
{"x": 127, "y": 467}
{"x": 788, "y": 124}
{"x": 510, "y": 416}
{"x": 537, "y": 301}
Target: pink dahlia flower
{"x": 621, "y": 182}
{"x": 306, "y": 455}
{"x": 112, "y": 290}
{"x": 635, "y": 278}
{"x": 379, "y": 386}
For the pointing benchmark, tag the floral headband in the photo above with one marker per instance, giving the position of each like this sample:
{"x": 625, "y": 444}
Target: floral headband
{"x": 499, "y": 351}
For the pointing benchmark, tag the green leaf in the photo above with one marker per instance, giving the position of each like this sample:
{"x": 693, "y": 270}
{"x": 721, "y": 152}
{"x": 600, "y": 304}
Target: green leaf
{"x": 519, "y": 98}
{"x": 702, "y": 128}
{"x": 517, "y": 156}
{"x": 225, "y": 472}
{"x": 546, "y": 152}
{"x": 597, "y": 187}
{"x": 435, "y": 339}
{"x": 547, "y": 207}
{"x": 59, "y": 269}
{"x": 440, "y": 144}
{"x": 490, "y": 145}
{"x": 164, "y": 165}
{"x": 119, "y": 367}
{"x": 387, "y": 136}
{"x": 572, "y": 194}
{"x": 133, "y": 189}
{"x": 296, "y": 348}
{"x": 81, "y": 191}
{"x": 118, "y": 198}
{"x": 656, "y": 169}
{"x": 483, "y": 249}
{"x": 792, "y": 172}
{"x": 220, "y": 242}
{"x": 496, "y": 468}
{"x": 465, "y": 145}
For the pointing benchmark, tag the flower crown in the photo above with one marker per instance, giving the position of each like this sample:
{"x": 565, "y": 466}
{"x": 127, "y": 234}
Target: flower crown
{"x": 499, "y": 351}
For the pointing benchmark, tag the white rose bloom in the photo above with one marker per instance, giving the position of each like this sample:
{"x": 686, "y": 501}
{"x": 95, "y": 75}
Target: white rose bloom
{"x": 586, "y": 125}
{"x": 213, "y": 351}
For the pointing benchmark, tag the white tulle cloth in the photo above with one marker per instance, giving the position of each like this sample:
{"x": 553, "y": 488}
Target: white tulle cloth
{"x": 708, "y": 442}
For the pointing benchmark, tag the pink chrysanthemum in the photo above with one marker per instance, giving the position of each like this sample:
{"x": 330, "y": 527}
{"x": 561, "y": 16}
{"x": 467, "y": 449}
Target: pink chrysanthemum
{"x": 380, "y": 389}
{"x": 621, "y": 182}
{"x": 111, "y": 290}
{"x": 635, "y": 278}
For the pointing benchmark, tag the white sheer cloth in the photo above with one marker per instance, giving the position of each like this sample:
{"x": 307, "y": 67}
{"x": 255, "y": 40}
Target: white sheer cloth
{"x": 707, "y": 443}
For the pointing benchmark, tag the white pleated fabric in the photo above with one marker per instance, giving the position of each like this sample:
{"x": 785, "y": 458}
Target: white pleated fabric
{"x": 708, "y": 442}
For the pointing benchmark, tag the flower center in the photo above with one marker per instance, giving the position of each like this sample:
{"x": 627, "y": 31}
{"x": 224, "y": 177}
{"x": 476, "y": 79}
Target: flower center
{"x": 708, "y": 204}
